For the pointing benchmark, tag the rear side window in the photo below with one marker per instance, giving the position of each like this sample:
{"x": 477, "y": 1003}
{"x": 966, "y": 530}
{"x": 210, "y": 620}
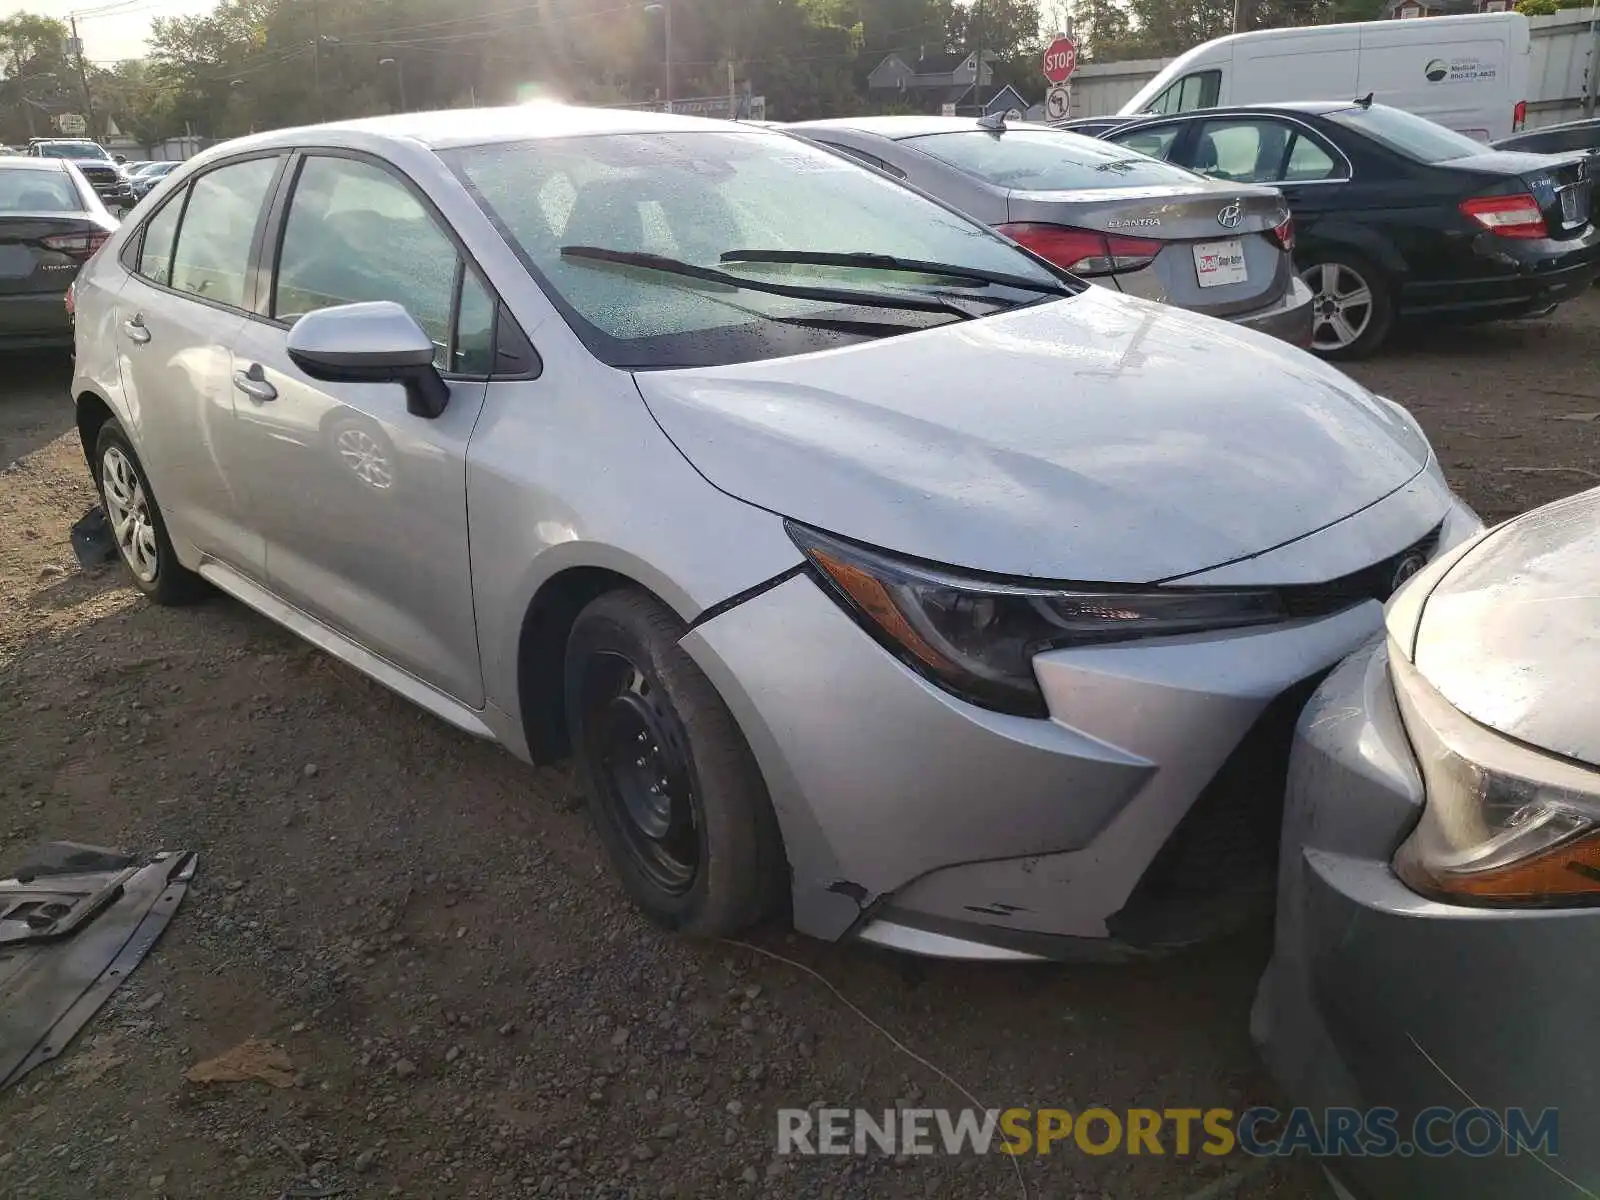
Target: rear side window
{"x": 34, "y": 191}
{"x": 1198, "y": 90}
{"x": 872, "y": 160}
{"x": 219, "y": 225}
{"x": 1046, "y": 160}
{"x": 1309, "y": 162}
{"x": 155, "y": 250}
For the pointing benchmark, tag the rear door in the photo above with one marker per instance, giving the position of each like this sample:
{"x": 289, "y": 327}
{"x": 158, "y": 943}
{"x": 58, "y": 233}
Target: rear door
{"x": 177, "y": 316}
{"x": 364, "y": 505}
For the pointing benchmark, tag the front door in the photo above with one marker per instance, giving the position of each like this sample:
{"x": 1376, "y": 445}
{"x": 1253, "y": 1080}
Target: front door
{"x": 363, "y": 505}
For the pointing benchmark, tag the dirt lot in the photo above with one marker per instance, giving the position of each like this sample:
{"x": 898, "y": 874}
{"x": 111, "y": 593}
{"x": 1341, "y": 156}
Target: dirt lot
{"x": 427, "y": 927}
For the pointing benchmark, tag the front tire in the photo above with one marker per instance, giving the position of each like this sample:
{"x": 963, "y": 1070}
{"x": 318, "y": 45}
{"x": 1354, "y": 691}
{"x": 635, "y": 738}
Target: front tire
{"x": 136, "y": 522}
{"x": 1352, "y": 312}
{"x": 672, "y": 787}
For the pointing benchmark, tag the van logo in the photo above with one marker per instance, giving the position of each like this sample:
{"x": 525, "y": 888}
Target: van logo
{"x": 1230, "y": 216}
{"x": 1436, "y": 70}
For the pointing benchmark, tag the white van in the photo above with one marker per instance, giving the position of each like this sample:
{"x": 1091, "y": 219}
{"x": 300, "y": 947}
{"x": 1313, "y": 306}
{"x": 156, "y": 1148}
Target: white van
{"x": 1468, "y": 73}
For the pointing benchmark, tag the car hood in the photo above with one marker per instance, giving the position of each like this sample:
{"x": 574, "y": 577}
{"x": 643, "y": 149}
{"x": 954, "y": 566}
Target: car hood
{"x": 1097, "y": 438}
{"x": 1508, "y": 635}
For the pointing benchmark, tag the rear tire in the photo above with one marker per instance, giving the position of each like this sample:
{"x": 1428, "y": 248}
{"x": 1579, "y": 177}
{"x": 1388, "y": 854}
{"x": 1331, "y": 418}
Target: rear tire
{"x": 673, "y": 788}
{"x": 1352, "y": 312}
{"x": 136, "y": 522}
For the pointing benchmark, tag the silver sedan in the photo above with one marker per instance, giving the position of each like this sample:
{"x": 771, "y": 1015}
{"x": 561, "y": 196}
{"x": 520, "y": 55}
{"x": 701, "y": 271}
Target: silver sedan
{"x": 869, "y": 567}
{"x": 1106, "y": 213}
{"x": 1441, "y": 876}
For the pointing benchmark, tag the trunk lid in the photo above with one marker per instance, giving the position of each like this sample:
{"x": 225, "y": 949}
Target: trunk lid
{"x": 28, "y": 264}
{"x": 1217, "y": 252}
{"x": 1561, "y": 184}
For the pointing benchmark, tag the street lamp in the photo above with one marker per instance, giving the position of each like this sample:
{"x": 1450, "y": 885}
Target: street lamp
{"x": 665, "y": 9}
{"x": 399, "y": 75}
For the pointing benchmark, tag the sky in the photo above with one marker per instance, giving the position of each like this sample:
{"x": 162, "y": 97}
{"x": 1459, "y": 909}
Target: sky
{"x": 109, "y": 36}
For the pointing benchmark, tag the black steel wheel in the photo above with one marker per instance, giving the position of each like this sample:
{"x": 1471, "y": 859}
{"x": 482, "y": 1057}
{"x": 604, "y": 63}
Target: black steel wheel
{"x": 674, "y": 792}
{"x": 644, "y": 777}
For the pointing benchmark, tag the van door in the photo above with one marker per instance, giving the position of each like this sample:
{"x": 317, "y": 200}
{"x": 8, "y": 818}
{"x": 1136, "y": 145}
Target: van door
{"x": 1296, "y": 64}
{"x": 1461, "y": 74}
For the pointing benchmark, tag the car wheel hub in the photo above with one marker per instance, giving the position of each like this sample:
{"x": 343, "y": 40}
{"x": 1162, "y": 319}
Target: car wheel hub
{"x": 1342, "y": 310}
{"x": 128, "y": 510}
{"x": 643, "y": 772}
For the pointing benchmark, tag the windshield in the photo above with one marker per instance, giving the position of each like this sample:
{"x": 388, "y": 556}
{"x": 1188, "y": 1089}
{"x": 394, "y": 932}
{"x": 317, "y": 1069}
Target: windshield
{"x": 1047, "y": 160}
{"x": 75, "y": 150}
{"x": 155, "y": 168}
{"x": 1406, "y": 133}
{"x": 695, "y": 198}
{"x": 34, "y": 190}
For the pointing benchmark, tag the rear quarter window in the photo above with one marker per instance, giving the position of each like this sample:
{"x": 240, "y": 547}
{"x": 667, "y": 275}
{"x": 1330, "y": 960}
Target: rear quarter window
{"x": 1046, "y": 160}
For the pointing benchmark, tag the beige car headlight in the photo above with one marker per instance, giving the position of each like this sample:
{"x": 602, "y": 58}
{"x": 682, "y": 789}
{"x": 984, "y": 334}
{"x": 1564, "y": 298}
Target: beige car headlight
{"x": 1502, "y": 824}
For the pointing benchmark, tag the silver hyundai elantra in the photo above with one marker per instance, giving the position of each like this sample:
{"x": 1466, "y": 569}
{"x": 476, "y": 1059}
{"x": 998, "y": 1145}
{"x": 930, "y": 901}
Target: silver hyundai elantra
{"x": 871, "y": 567}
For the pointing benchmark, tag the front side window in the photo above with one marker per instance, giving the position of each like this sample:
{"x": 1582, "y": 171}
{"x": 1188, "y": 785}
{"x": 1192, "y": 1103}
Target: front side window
{"x": 356, "y": 233}
{"x": 1046, "y": 160}
{"x": 219, "y": 225}
{"x": 1198, "y": 90}
{"x": 26, "y": 190}
{"x": 1406, "y": 133}
{"x": 1157, "y": 143}
{"x": 701, "y": 199}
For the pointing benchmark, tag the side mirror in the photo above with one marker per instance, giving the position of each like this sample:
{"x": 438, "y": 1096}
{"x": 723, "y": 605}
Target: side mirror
{"x": 375, "y": 342}
{"x": 120, "y": 159}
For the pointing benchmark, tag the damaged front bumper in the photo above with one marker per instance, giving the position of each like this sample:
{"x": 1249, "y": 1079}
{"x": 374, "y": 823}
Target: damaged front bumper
{"x": 916, "y": 820}
{"x": 74, "y": 922}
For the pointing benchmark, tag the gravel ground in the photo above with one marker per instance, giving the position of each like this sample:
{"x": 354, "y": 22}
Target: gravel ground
{"x": 468, "y": 1004}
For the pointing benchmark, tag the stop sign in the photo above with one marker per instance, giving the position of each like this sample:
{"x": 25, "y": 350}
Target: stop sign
{"x": 1060, "y": 57}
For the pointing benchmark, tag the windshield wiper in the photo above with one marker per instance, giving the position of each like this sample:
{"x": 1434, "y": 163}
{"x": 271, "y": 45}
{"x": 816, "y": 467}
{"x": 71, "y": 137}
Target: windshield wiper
{"x": 828, "y": 295}
{"x": 888, "y": 262}
{"x": 1118, "y": 164}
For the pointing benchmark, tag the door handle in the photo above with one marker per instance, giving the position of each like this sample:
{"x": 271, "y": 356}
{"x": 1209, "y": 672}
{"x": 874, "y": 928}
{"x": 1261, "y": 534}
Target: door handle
{"x": 134, "y": 328}
{"x": 253, "y": 383}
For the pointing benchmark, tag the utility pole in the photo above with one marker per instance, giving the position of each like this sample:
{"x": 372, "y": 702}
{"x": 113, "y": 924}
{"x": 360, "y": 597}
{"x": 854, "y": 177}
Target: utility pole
{"x": 1593, "y": 90}
{"x": 83, "y": 78}
{"x": 977, "y": 73}
{"x": 316, "y": 63}
{"x": 665, "y": 9}
{"x": 1237, "y": 5}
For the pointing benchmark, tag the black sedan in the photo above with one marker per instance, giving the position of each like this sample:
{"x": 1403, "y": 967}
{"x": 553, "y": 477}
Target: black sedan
{"x": 1396, "y": 217}
{"x": 51, "y": 221}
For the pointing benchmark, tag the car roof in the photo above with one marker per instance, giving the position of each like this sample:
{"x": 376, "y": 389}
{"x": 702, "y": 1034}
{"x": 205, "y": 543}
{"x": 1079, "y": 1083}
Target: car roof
{"x": 31, "y": 164}
{"x": 896, "y": 128}
{"x": 1315, "y": 108}
{"x": 486, "y": 126}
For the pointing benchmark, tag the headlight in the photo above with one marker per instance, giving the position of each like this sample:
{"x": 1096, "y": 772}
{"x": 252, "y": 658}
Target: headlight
{"x": 977, "y": 637}
{"x": 1502, "y": 824}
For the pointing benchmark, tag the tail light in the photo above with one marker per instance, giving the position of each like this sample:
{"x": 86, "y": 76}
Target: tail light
{"x": 78, "y": 245}
{"x": 1083, "y": 251}
{"x": 1507, "y": 216}
{"x": 1519, "y": 116}
{"x": 1283, "y": 234}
